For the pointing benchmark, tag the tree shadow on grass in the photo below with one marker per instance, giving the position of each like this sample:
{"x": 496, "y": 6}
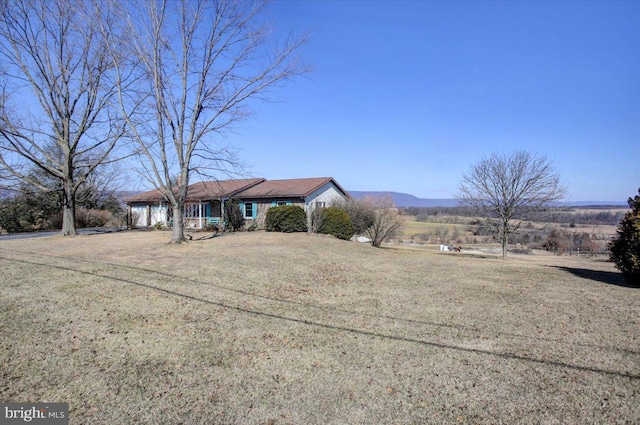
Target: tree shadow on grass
{"x": 610, "y": 278}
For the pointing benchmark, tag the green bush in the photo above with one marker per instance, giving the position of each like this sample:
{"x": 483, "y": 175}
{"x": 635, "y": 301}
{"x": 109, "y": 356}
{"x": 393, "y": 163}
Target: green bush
{"x": 12, "y": 216}
{"x": 234, "y": 215}
{"x": 337, "y": 223}
{"x": 28, "y": 211}
{"x": 286, "y": 218}
{"x": 624, "y": 249}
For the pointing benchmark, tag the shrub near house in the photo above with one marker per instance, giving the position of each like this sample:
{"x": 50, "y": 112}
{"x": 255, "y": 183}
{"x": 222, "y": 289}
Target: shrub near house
{"x": 234, "y": 215}
{"x": 336, "y": 222}
{"x": 286, "y": 218}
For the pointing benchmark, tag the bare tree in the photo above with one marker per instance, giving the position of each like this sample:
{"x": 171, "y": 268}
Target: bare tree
{"x": 360, "y": 211}
{"x": 199, "y": 64}
{"x": 506, "y": 189}
{"x": 55, "y": 94}
{"x": 316, "y": 219}
{"x": 386, "y": 219}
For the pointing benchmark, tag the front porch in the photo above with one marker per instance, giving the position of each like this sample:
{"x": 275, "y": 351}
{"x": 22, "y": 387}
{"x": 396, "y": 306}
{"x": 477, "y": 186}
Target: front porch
{"x": 202, "y": 215}
{"x": 199, "y": 215}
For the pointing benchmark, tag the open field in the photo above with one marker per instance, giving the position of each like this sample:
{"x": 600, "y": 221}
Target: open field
{"x": 411, "y": 227}
{"x": 573, "y": 238}
{"x": 264, "y": 328}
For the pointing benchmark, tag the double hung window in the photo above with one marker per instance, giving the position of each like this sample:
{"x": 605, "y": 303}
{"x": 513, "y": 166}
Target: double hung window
{"x": 248, "y": 210}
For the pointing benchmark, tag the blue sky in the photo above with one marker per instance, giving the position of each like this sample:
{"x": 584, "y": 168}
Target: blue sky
{"x": 406, "y": 95}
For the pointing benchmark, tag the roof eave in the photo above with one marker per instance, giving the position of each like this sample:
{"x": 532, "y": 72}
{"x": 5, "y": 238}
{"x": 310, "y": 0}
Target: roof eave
{"x": 328, "y": 180}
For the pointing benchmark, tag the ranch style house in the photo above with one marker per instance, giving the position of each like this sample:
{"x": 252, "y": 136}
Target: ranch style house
{"x": 205, "y": 204}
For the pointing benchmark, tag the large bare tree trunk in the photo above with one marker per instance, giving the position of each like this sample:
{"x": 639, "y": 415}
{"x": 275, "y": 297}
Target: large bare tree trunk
{"x": 177, "y": 235}
{"x": 68, "y": 208}
{"x": 68, "y": 196}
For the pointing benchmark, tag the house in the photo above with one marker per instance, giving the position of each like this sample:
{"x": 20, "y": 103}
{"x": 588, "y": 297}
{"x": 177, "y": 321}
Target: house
{"x": 204, "y": 204}
{"x": 308, "y": 193}
{"x": 206, "y": 200}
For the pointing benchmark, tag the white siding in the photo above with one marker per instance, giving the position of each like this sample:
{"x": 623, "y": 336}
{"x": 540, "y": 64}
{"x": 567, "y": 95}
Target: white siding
{"x": 158, "y": 214}
{"x": 139, "y": 212}
{"x": 327, "y": 193}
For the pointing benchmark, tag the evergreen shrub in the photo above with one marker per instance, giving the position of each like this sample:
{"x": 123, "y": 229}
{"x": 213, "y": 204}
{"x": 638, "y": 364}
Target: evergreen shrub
{"x": 337, "y": 223}
{"x": 235, "y": 218}
{"x": 624, "y": 249}
{"x": 286, "y": 218}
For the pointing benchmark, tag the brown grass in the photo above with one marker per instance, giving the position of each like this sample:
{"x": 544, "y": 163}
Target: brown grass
{"x": 274, "y": 328}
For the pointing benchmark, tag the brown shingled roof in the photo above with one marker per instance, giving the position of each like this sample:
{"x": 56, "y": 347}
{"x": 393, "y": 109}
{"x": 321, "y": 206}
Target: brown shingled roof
{"x": 149, "y": 196}
{"x": 219, "y": 189}
{"x": 201, "y": 191}
{"x": 289, "y": 188}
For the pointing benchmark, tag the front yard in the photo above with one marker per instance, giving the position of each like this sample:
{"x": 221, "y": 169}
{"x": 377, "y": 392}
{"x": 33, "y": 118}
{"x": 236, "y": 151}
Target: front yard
{"x": 290, "y": 328}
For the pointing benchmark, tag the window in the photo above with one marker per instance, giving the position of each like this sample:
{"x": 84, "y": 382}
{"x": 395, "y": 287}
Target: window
{"x": 192, "y": 210}
{"x": 280, "y": 203}
{"x": 320, "y": 204}
{"x": 248, "y": 210}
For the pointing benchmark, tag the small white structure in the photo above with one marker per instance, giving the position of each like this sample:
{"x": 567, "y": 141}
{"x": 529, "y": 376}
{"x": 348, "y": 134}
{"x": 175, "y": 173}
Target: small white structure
{"x": 444, "y": 247}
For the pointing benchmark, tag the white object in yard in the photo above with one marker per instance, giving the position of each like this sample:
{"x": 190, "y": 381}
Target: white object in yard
{"x": 363, "y": 239}
{"x": 444, "y": 247}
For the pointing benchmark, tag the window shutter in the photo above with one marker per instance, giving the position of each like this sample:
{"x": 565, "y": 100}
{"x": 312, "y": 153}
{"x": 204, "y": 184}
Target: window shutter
{"x": 254, "y": 210}
{"x": 288, "y": 202}
{"x": 274, "y": 203}
{"x": 242, "y": 208}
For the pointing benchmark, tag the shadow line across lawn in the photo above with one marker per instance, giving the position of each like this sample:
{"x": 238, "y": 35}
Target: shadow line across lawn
{"x": 509, "y": 356}
{"x": 610, "y": 278}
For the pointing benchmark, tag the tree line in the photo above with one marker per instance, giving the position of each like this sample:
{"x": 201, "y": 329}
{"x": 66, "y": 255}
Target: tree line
{"x": 27, "y": 209}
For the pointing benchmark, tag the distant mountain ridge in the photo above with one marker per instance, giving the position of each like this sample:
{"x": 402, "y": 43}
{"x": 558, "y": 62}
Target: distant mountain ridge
{"x": 406, "y": 200}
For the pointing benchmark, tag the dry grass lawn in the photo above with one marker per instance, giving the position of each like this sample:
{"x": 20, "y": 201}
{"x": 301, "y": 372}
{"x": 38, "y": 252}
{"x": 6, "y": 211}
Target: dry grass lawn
{"x": 262, "y": 328}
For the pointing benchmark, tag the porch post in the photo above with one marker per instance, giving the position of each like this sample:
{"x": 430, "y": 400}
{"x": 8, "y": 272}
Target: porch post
{"x": 221, "y": 225}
